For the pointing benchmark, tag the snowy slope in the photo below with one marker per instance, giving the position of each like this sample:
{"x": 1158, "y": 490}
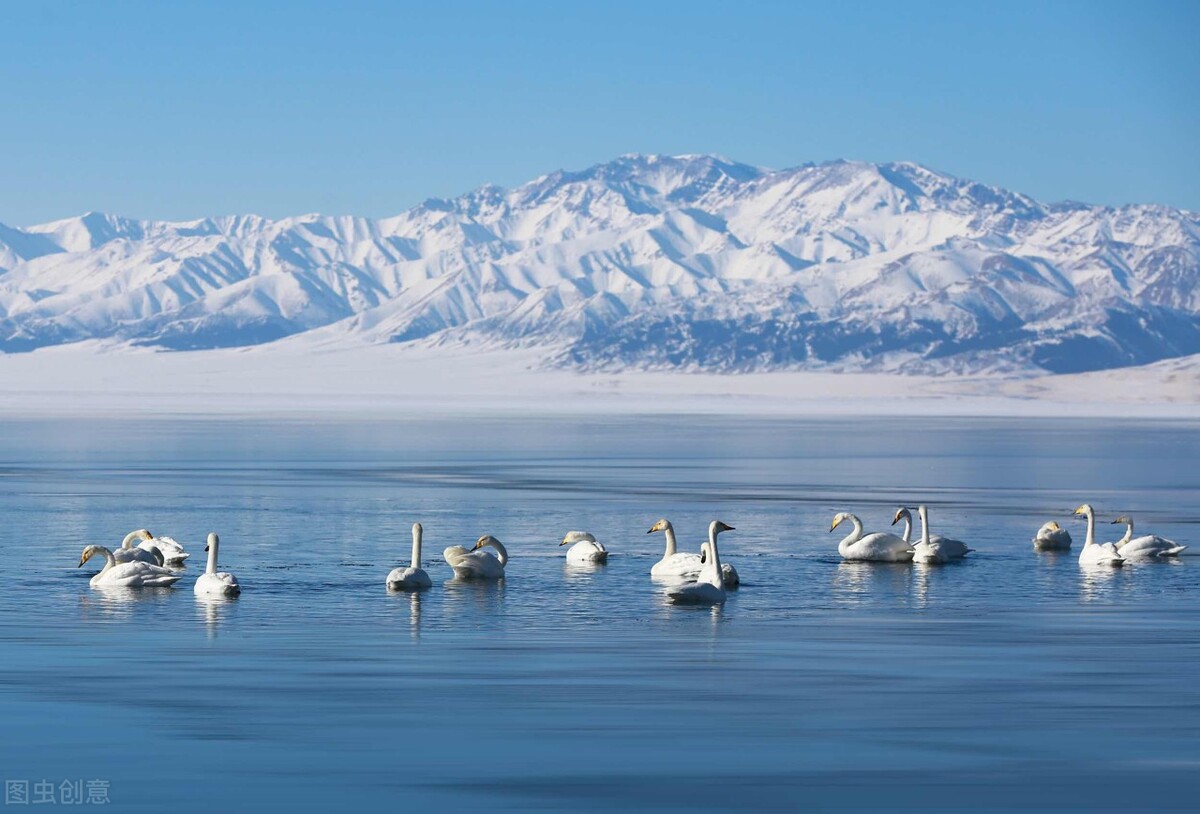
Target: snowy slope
{"x": 688, "y": 262}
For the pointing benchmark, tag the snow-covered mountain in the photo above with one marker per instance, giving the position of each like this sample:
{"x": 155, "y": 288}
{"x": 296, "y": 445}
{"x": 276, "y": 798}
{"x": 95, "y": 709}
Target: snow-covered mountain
{"x": 692, "y": 262}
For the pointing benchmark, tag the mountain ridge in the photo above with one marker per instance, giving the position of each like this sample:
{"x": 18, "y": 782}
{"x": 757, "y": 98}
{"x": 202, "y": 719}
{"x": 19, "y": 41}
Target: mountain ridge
{"x": 689, "y": 262}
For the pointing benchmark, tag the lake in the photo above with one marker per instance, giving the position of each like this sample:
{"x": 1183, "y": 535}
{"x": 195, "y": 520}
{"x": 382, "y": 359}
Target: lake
{"x": 1012, "y": 680}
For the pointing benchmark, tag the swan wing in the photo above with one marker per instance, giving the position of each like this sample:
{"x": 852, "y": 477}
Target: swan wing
{"x": 682, "y": 564}
{"x": 697, "y": 593}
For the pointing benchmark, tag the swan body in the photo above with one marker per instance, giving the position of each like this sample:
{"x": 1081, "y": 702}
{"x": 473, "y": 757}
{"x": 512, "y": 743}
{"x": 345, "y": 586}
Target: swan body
{"x": 145, "y": 552}
{"x": 1094, "y": 553}
{"x": 877, "y": 547}
{"x": 133, "y": 574}
{"x": 213, "y": 582}
{"x": 172, "y": 551}
{"x": 584, "y": 548}
{"x": 936, "y": 549}
{"x": 476, "y": 563}
{"x": 709, "y": 588}
{"x": 674, "y": 563}
{"x": 414, "y": 577}
{"x": 1146, "y": 547}
{"x": 729, "y": 574}
{"x": 1052, "y": 537}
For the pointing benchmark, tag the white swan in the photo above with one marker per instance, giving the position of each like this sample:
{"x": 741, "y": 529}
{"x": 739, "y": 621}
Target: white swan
{"x": 213, "y": 582}
{"x": 904, "y": 514}
{"x": 936, "y": 549}
{"x": 729, "y": 574}
{"x": 1094, "y": 553}
{"x": 673, "y": 563}
{"x": 478, "y": 564}
{"x": 585, "y": 548}
{"x": 134, "y": 574}
{"x": 877, "y": 547}
{"x": 145, "y": 552}
{"x": 1052, "y": 537}
{"x": 414, "y": 577}
{"x": 709, "y": 589}
{"x": 1146, "y": 547}
{"x": 172, "y": 552}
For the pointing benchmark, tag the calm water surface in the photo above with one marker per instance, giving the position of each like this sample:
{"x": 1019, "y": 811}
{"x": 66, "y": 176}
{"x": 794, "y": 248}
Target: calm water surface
{"x": 1011, "y": 681}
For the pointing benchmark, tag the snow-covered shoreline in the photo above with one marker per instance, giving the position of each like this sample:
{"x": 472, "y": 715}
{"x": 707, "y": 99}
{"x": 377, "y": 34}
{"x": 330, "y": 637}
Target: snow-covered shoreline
{"x": 389, "y": 380}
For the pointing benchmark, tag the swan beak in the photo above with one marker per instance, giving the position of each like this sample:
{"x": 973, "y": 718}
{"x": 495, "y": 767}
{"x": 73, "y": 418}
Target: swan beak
{"x": 651, "y": 531}
{"x": 563, "y": 543}
{"x": 81, "y": 562}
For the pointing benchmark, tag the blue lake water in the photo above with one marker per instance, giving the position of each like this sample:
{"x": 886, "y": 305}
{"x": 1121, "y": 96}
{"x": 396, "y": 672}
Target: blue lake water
{"x": 1013, "y": 680}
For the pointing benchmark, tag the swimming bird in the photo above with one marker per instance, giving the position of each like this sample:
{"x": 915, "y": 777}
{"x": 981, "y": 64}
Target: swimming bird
{"x": 904, "y": 514}
{"x": 673, "y": 563}
{"x": 1052, "y": 537}
{"x": 414, "y": 577}
{"x": 585, "y": 549}
{"x": 145, "y": 552}
{"x": 709, "y": 588}
{"x": 476, "y": 563}
{"x": 172, "y": 552}
{"x": 1094, "y": 553}
{"x": 213, "y": 582}
{"x": 877, "y": 547}
{"x": 729, "y": 574}
{"x": 135, "y": 574}
{"x": 936, "y": 549}
{"x": 1146, "y": 547}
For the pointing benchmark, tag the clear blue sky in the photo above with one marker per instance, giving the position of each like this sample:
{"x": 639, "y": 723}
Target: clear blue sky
{"x": 177, "y": 110}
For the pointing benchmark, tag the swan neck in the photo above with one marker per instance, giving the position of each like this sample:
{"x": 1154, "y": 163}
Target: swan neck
{"x": 212, "y": 558}
{"x": 853, "y": 537}
{"x": 109, "y": 560}
{"x": 924, "y": 527}
{"x": 1128, "y": 532}
{"x": 670, "y": 535}
{"x": 1091, "y": 529}
{"x": 907, "y": 528}
{"x": 712, "y": 566}
{"x": 129, "y": 538}
{"x": 416, "y": 551}
{"x": 501, "y": 550}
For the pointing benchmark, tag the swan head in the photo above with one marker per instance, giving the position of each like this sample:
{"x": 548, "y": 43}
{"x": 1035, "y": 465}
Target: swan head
{"x": 213, "y": 539}
{"x": 716, "y": 527}
{"x": 87, "y": 554}
{"x": 577, "y": 537}
{"x": 485, "y": 540}
{"x": 900, "y": 513}
{"x": 1084, "y": 510}
{"x": 144, "y": 535}
{"x": 661, "y": 525}
{"x": 1053, "y": 525}
{"x": 1122, "y": 519}
{"x": 838, "y": 519}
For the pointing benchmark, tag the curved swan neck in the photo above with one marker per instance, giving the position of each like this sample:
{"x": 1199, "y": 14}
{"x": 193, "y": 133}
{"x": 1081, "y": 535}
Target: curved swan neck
{"x": 416, "y": 551}
{"x": 924, "y": 513}
{"x": 669, "y": 531}
{"x": 129, "y": 538}
{"x": 501, "y": 550}
{"x": 109, "y": 560}
{"x": 213, "y": 542}
{"x": 1128, "y": 532}
{"x": 907, "y": 528}
{"x": 853, "y": 537}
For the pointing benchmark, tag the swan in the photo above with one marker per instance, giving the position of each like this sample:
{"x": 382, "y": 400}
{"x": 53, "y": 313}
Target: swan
{"x": 478, "y": 564}
{"x": 585, "y": 548}
{"x": 169, "y": 547}
{"x": 936, "y": 549}
{"x": 1094, "y": 553}
{"x": 877, "y": 547}
{"x": 729, "y": 574}
{"x": 213, "y": 582}
{"x": 904, "y": 513}
{"x": 414, "y": 577}
{"x": 1052, "y": 537}
{"x": 674, "y": 564}
{"x": 709, "y": 588}
{"x": 135, "y": 574}
{"x": 145, "y": 552}
{"x": 1146, "y": 547}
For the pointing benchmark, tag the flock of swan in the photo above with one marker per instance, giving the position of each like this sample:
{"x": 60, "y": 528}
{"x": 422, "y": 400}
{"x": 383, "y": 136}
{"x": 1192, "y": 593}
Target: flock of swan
{"x": 694, "y": 577}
